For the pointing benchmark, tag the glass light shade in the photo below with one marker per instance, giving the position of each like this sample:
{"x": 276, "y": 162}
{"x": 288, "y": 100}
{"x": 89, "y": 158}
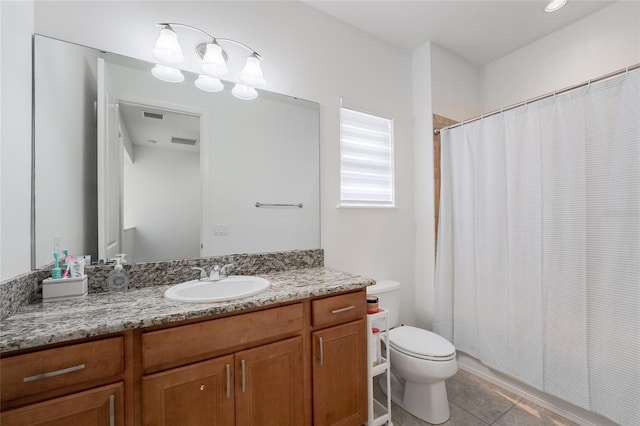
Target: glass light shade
{"x": 213, "y": 63}
{"x": 554, "y": 5}
{"x": 252, "y": 73}
{"x": 168, "y": 74}
{"x": 243, "y": 92}
{"x": 209, "y": 84}
{"x": 167, "y": 50}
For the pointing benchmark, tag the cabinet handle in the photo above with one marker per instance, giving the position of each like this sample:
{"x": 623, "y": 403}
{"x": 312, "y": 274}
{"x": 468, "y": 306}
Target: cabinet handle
{"x": 228, "y": 381}
{"x": 112, "y": 410}
{"x": 348, "y": 308}
{"x": 243, "y": 377}
{"x": 321, "y": 352}
{"x": 53, "y": 373}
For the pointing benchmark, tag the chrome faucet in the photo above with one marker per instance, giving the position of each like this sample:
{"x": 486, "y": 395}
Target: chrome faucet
{"x": 203, "y": 273}
{"x": 214, "y": 275}
{"x": 217, "y": 272}
{"x": 223, "y": 270}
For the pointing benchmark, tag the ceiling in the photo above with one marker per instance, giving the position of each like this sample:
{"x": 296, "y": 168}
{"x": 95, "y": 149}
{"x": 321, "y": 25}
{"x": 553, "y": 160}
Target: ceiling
{"x": 477, "y": 30}
{"x": 143, "y": 130}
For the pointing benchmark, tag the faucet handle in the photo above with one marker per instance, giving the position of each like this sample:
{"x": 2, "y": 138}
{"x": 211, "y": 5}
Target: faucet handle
{"x": 203, "y": 273}
{"x": 214, "y": 275}
{"x": 223, "y": 270}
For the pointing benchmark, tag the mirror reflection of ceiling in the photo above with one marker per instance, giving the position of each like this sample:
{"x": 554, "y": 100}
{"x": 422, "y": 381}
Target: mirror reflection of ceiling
{"x": 161, "y": 129}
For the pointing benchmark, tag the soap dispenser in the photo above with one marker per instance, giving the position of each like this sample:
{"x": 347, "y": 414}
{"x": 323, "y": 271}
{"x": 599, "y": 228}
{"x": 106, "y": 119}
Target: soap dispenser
{"x": 118, "y": 279}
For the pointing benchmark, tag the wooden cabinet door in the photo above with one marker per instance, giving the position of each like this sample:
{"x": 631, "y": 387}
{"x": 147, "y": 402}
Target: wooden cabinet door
{"x": 95, "y": 407}
{"x": 340, "y": 375}
{"x": 198, "y": 394}
{"x": 269, "y": 385}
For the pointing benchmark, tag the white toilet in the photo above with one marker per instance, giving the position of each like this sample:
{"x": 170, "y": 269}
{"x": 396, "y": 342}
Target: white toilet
{"x": 420, "y": 361}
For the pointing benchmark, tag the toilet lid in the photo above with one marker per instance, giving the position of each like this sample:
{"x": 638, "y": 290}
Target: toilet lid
{"x": 422, "y": 343}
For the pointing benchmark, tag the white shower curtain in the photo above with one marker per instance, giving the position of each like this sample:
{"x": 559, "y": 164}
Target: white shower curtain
{"x": 538, "y": 267}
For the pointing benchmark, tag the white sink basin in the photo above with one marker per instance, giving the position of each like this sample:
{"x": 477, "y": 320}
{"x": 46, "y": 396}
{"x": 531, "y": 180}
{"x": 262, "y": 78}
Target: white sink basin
{"x": 230, "y": 288}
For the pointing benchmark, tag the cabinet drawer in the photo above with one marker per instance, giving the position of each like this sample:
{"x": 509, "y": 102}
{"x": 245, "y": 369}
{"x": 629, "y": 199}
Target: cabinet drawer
{"x": 101, "y": 406}
{"x": 41, "y": 371}
{"x": 195, "y": 342}
{"x": 339, "y": 309}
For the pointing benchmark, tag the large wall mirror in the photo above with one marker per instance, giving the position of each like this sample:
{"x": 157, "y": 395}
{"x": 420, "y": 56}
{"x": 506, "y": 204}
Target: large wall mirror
{"x": 124, "y": 162}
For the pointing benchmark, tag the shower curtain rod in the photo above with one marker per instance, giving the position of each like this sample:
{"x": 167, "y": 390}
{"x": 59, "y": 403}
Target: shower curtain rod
{"x": 539, "y": 98}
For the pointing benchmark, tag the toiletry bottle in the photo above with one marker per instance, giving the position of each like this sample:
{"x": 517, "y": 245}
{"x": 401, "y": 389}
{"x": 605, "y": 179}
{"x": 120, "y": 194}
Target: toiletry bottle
{"x": 63, "y": 263}
{"x": 118, "y": 279}
{"x": 56, "y": 272}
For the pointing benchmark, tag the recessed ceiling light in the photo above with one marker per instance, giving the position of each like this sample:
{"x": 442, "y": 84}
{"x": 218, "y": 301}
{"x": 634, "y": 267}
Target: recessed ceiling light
{"x": 554, "y": 5}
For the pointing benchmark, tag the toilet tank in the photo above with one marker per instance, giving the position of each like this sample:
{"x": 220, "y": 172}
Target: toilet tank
{"x": 388, "y": 293}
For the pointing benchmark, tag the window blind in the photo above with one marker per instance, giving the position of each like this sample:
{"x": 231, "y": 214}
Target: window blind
{"x": 366, "y": 159}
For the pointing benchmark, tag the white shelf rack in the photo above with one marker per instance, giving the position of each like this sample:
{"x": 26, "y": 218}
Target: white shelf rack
{"x": 379, "y": 413}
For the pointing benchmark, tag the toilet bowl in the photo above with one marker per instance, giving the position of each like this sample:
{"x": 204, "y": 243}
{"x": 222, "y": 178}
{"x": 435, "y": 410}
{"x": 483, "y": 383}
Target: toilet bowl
{"x": 420, "y": 362}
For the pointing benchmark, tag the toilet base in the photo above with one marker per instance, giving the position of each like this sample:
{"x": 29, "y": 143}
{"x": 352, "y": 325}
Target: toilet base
{"x": 427, "y": 402}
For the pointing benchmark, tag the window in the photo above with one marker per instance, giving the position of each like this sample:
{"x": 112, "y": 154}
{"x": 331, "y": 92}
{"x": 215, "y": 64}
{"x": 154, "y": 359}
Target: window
{"x": 366, "y": 160}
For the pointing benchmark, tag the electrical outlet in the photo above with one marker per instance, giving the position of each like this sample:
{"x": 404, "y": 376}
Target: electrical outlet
{"x": 220, "y": 230}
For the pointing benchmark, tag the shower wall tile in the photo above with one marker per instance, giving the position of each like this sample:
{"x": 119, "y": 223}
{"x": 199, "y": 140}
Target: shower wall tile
{"x": 438, "y": 123}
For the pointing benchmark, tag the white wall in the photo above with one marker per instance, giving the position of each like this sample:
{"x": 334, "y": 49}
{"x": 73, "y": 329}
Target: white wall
{"x": 455, "y": 88}
{"x": 16, "y": 27}
{"x": 602, "y": 42}
{"x": 306, "y": 54}
{"x": 162, "y": 202}
{"x": 424, "y": 248}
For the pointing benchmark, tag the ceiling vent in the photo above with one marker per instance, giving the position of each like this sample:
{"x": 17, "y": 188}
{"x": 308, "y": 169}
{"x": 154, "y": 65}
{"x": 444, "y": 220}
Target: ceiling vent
{"x": 184, "y": 141}
{"x": 154, "y": 115}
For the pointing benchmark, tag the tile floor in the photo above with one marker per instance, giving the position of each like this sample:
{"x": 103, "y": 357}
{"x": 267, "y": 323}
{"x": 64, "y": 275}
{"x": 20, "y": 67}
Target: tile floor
{"x": 476, "y": 402}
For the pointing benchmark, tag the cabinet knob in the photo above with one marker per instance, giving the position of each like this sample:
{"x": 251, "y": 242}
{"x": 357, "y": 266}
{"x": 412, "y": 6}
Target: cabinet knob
{"x": 201, "y": 387}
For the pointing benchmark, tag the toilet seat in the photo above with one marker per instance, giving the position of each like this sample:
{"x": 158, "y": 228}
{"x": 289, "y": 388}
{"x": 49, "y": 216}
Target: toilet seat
{"x": 422, "y": 344}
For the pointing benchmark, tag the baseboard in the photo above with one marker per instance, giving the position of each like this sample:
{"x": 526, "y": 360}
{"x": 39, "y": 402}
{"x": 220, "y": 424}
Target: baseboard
{"x": 551, "y": 403}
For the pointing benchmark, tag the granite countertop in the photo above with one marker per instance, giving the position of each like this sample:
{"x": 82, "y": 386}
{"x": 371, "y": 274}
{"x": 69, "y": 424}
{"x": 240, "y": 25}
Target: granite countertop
{"x": 98, "y": 314}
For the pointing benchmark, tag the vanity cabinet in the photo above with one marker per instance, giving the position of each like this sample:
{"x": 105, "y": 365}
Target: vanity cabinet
{"x": 340, "y": 361}
{"x": 298, "y": 364}
{"x": 270, "y": 385}
{"x": 198, "y": 394}
{"x": 181, "y": 345}
{"x": 260, "y": 385}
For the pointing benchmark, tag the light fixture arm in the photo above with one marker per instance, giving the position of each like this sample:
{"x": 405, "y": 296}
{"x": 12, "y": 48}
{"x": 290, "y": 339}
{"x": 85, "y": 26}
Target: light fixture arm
{"x": 206, "y": 34}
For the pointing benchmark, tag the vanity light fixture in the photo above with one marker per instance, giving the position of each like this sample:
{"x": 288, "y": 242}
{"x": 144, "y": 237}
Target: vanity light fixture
{"x": 169, "y": 57}
{"x": 554, "y": 5}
